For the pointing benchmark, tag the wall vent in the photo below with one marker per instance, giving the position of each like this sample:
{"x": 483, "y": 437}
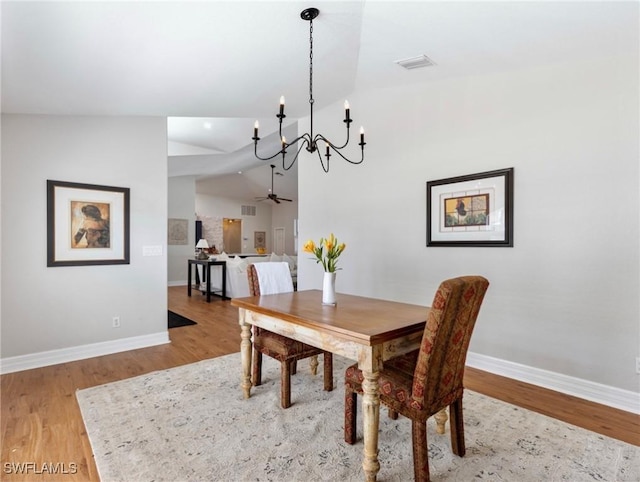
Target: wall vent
{"x": 248, "y": 210}
{"x": 416, "y": 62}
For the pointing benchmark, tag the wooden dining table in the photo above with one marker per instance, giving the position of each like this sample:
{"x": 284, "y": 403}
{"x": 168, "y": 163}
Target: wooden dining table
{"x": 367, "y": 330}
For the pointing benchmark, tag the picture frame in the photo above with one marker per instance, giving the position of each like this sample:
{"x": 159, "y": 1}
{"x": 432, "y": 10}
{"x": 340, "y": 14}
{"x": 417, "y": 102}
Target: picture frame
{"x": 177, "y": 232}
{"x": 471, "y": 210}
{"x": 259, "y": 239}
{"x": 87, "y": 224}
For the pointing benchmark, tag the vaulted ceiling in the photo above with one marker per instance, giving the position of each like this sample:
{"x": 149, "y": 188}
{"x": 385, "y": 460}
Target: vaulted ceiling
{"x": 215, "y": 67}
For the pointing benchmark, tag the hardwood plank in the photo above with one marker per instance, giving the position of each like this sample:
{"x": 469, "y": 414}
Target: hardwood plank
{"x": 41, "y": 422}
{"x": 593, "y": 416}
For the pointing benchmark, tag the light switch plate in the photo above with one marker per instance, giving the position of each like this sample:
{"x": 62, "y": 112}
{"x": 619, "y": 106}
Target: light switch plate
{"x": 152, "y": 251}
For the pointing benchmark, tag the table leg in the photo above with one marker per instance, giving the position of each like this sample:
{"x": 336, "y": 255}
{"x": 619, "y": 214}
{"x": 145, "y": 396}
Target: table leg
{"x": 441, "y": 418}
{"x": 245, "y": 353}
{"x": 371, "y": 422}
{"x": 313, "y": 364}
{"x": 208, "y": 283}
{"x": 224, "y": 280}
{"x": 370, "y": 367}
{"x": 189, "y": 279}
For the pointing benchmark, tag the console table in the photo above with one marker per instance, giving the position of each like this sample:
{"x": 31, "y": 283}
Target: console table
{"x": 206, "y": 274}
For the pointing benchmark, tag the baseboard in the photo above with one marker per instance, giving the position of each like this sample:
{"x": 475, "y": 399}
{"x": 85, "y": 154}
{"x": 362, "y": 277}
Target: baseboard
{"x": 178, "y": 283}
{"x": 64, "y": 355}
{"x": 595, "y": 392}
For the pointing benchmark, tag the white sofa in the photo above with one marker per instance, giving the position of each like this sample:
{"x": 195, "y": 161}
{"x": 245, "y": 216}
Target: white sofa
{"x": 237, "y": 281}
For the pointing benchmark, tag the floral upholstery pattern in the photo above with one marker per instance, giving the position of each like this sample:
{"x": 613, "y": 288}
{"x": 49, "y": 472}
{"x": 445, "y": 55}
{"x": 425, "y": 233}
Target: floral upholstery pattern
{"x": 286, "y": 350}
{"x": 425, "y": 381}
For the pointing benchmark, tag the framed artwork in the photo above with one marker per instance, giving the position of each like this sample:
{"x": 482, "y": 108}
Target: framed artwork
{"x": 87, "y": 224}
{"x": 178, "y": 231}
{"x": 259, "y": 239}
{"x": 472, "y": 210}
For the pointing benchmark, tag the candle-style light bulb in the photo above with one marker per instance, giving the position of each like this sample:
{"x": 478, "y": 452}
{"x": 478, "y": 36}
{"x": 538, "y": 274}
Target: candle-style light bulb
{"x": 346, "y": 111}
{"x": 361, "y": 134}
{"x": 255, "y": 129}
{"x": 327, "y": 146}
{"x": 284, "y": 141}
{"x": 281, "y": 104}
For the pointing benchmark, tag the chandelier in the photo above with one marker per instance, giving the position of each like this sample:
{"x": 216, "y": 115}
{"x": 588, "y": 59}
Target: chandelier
{"x": 308, "y": 140}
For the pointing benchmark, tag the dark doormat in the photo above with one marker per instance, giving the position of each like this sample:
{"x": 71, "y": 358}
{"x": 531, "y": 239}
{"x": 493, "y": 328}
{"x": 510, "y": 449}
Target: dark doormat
{"x": 176, "y": 320}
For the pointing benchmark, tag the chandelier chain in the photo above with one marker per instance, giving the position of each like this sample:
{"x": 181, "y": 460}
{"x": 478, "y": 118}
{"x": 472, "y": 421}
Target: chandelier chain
{"x": 311, "y": 62}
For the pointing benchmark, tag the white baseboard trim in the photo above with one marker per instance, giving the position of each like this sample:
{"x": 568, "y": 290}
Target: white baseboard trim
{"x": 178, "y": 283}
{"x": 595, "y": 392}
{"x": 64, "y": 355}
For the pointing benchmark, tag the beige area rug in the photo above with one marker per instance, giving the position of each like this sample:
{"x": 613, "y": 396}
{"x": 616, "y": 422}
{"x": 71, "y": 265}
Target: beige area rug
{"x": 191, "y": 423}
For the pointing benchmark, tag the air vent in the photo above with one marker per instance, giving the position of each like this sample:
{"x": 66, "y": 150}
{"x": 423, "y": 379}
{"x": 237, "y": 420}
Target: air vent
{"x": 248, "y": 210}
{"x": 416, "y": 62}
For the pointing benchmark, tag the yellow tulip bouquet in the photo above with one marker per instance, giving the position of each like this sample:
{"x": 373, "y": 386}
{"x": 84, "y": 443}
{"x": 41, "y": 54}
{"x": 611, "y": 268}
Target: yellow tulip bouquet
{"x": 328, "y": 258}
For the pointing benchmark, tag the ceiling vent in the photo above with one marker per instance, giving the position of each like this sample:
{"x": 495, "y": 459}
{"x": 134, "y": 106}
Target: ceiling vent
{"x": 416, "y": 62}
{"x": 248, "y": 210}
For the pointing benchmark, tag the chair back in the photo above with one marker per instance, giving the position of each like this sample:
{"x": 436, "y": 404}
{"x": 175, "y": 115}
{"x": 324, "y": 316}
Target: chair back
{"x": 437, "y": 380}
{"x": 269, "y": 278}
{"x": 254, "y": 284}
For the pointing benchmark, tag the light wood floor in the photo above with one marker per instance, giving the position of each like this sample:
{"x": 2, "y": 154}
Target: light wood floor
{"x": 41, "y": 421}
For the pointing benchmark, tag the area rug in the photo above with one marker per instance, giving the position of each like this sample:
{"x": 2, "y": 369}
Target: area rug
{"x": 175, "y": 320}
{"x": 191, "y": 423}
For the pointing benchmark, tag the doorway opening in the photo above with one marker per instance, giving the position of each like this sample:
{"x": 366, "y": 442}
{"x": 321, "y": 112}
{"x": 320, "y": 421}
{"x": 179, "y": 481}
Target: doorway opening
{"x": 232, "y": 235}
{"x": 278, "y": 241}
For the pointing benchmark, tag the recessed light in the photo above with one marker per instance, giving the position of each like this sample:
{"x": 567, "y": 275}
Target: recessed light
{"x": 416, "y": 62}
{"x": 208, "y": 125}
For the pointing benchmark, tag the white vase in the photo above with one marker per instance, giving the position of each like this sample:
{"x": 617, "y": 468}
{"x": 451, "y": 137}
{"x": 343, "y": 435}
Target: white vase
{"x": 329, "y": 288}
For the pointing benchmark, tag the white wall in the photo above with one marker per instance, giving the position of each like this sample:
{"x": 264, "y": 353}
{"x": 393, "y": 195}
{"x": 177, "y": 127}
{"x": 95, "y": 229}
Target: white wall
{"x": 53, "y": 309}
{"x": 565, "y": 298}
{"x": 220, "y": 207}
{"x": 267, "y": 217}
{"x": 182, "y": 202}
{"x": 282, "y": 217}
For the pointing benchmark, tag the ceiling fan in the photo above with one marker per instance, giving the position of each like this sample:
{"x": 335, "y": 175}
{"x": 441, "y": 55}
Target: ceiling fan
{"x": 272, "y": 195}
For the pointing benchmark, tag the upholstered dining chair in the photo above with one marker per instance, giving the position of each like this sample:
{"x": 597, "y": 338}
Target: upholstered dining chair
{"x": 283, "y": 349}
{"x": 426, "y": 381}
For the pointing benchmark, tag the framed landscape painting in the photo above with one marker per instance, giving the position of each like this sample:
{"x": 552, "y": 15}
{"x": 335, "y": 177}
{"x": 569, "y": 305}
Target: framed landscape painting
{"x": 87, "y": 224}
{"x": 471, "y": 210}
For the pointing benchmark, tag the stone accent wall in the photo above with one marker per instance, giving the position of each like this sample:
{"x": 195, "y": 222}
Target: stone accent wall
{"x": 212, "y": 231}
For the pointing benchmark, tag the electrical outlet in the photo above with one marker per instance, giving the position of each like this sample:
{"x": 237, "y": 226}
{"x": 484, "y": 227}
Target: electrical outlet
{"x": 638, "y": 365}
{"x": 116, "y": 322}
